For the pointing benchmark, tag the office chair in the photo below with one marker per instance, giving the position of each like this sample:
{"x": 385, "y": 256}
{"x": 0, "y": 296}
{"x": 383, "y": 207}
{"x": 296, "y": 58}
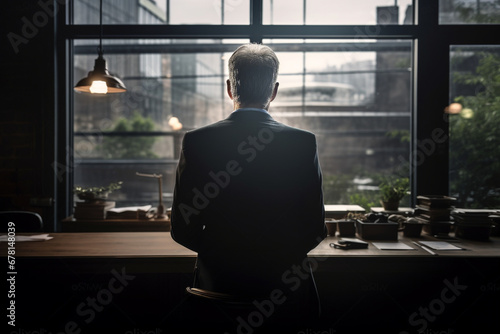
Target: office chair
{"x": 229, "y": 312}
{"x": 25, "y": 221}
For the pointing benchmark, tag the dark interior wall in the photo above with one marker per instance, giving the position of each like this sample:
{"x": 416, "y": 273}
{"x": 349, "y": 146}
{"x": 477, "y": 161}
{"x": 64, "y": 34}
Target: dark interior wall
{"x": 28, "y": 107}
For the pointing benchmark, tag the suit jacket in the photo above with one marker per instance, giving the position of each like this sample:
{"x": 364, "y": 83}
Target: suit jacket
{"x": 248, "y": 198}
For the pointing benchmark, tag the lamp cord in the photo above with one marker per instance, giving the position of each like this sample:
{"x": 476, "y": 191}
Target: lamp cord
{"x": 100, "y": 32}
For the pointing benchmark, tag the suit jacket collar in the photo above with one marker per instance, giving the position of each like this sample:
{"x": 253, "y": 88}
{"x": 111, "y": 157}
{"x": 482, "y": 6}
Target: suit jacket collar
{"x": 250, "y": 114}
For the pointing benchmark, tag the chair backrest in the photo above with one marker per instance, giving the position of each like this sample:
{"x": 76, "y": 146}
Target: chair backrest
{"x": 219, "y": 297}
{"x": 25, "y": 221}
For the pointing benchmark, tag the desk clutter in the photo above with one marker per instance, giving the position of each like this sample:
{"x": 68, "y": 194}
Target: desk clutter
{"x": 92, "y": 209}
{"x": 99, "y": 210}
{"x": 434, "y": 215}
{"x": 130, "y": 212}
{"x": 474, "y": 224}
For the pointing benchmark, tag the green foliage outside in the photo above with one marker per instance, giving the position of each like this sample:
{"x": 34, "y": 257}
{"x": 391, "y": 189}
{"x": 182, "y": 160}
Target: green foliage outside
{"x": 342, "y": 189}
{"x": 489, "y": 12}
{"x": 130, "y": 147}
{"x": 475, "y": 137}
{"x": 365, "y": 199}
{"x": 394, "y": 189}
{"x": 336, "y": 188}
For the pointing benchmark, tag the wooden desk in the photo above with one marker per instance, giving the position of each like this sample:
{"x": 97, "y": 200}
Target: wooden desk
{"x": 480, "y": 249}
{"x": 161, "y": 245}
{"x": 361, "y": 290}
{"x": 71, "y": 224}
{"x": 104, "y": 245}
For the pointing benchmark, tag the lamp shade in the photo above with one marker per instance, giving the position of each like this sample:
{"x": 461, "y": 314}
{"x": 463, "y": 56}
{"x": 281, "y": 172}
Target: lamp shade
{"x": 100, "y": 81}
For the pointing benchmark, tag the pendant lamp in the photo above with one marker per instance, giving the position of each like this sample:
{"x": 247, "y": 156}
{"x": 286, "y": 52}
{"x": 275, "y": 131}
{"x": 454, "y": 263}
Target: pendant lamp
{"x": 100, "y": 81}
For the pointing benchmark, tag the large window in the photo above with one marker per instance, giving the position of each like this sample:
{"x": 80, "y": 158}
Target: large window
{"x": 354, "y": 96}
{"x": 370, "y": 78}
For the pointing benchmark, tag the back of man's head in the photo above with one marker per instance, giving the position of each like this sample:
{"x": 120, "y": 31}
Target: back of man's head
{"x": 253, "y": 71}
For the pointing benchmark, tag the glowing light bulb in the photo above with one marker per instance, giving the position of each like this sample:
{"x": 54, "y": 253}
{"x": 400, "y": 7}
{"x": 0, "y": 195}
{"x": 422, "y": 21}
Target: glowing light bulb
{"x": 174, "y": 123}
{"x": 467, "y": 113}
{"x": 98, "y": 87}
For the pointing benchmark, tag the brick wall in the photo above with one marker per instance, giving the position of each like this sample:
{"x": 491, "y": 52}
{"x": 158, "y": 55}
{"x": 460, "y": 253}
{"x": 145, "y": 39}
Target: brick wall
{"x": 27, "y": 107}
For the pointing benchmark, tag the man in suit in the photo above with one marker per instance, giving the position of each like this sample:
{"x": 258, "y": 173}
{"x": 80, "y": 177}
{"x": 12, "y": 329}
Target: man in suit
{"x": 248, "y": 194}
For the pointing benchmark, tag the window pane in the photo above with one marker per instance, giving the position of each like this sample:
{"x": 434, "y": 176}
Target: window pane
{"x": 328, "y": 12}
{"x": 210, "y": 12}
{"x": 172, "y": 87}
{"x": 469, "y": 12}
{"x": 356, "y": 98}
{"x": 162, "y": 12}
{"x": 474, "y": 123}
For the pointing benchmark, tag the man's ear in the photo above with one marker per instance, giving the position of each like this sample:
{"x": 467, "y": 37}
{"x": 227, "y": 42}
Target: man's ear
{"x": 228, "y": 88}
{"x": 275, "y": 91}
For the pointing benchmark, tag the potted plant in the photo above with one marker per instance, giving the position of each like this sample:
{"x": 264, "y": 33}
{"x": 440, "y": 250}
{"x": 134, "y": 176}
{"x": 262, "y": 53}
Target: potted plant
{"x": 96, "y": 194}
{"x": 376, "y": 226}
{"x": 392, "y": 191}
{"x": 412, "y": 227}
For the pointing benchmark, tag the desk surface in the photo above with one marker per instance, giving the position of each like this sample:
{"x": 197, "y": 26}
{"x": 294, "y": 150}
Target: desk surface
{"x": 71, "y": 224}
{"x": 490, "y": 248}
{"x": 161, "y": 245}
{"x": 105, "y": 245}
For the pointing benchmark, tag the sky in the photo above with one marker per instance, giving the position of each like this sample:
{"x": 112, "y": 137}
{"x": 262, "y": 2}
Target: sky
{"x": 284, "y": 11}
{"x": 288, "y": 12}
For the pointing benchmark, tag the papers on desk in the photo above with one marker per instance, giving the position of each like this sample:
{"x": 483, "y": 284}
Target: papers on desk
{"x": 392, "y": 246}
{"x": 20, "y": 238}
{"x": 129, "y": 212}
{"x": 440, "y": 245}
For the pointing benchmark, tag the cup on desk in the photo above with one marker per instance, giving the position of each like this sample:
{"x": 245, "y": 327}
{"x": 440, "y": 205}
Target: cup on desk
{"x": 346, "y": 228}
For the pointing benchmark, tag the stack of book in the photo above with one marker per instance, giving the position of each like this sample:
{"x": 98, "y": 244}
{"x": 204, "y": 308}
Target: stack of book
{"x": 129, "y": 212}
{"x": 434, "y": 211}
{"x": 92, "y": 210}
{"x": 473, "y": 223}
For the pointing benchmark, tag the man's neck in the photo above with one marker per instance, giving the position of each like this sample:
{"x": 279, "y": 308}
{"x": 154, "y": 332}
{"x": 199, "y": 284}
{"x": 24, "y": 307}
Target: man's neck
{"x": 250, "y": 106}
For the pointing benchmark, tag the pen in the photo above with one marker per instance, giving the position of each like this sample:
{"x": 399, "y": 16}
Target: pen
{"x": 424, "y": 248}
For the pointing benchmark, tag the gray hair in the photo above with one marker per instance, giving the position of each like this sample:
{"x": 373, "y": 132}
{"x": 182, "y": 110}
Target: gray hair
{"x": 253, "y": 71}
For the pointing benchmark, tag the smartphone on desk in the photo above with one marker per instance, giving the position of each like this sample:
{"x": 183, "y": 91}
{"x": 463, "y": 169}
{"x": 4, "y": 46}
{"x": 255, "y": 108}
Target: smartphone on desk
{"x": 349, "y": 243}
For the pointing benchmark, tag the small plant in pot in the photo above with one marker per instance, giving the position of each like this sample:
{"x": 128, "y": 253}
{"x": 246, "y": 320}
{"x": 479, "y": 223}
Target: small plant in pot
{"x": 96, "y": 194}
{"x": 392, "y": 191}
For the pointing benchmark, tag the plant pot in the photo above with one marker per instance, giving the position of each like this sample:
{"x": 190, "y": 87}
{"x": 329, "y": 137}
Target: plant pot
{"x": 412, "y": 230}
{"x": 346, "y": 228}
{"x": 390, "y": 206}
{"x": 331, "y": 227}
{"x": 91, "y": 197}
{"x": 377, "y": 231}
